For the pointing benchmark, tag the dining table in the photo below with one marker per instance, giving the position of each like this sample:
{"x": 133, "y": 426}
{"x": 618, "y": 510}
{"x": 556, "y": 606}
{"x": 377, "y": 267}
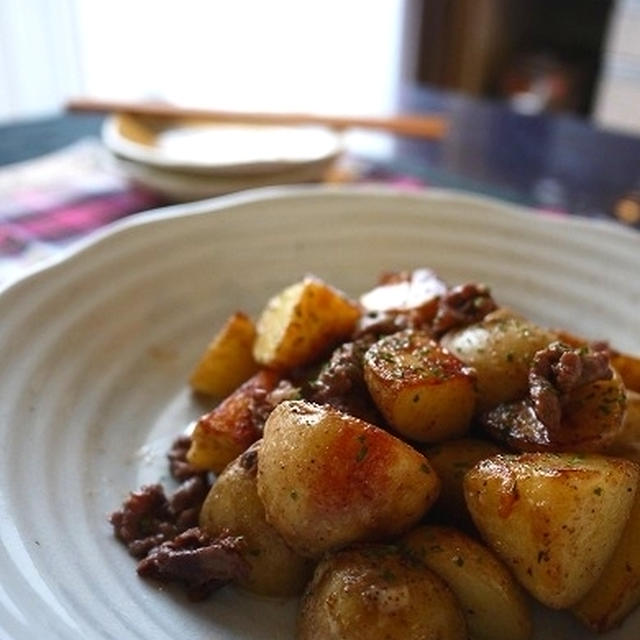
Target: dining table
{"x": 55, "y": 188}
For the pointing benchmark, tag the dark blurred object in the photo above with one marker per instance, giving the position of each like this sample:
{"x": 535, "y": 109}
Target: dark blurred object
{"x": 535, "y": 83}
{"x": 558, "y": 163}
{"x": 538, "y": 54}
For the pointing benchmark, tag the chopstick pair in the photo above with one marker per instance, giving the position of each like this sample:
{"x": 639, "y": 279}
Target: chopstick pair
{"x": 428, "y": 126}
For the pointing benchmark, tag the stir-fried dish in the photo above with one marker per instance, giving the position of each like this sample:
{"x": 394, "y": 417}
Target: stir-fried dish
{"x": 414, "y": 463}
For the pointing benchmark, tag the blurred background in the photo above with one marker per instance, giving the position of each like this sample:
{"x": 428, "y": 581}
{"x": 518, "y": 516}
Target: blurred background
{"x": 539, "y": 102}
{"x": 575, "y": 56}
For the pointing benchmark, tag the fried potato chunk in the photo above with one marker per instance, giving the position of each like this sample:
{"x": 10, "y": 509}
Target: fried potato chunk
{"x": 617, "y": 591}
{"x": 451, "y": 461}
{"x": 424, "y": 392}
{"x": 626, "y": 443}
{"x": 372, "y": 591}
{"x": 500, "y": 349}
{"x": 415, "y": 292}
{"x": 327, "y": 479}
{"x": 628, "y": 366}
{"x": 228, "y": 360}
{"x": 233, "y": 506}
{"x": 554, "y": 519}
{"x": 492, "y": 601}
{"x": 301, "y": 323}
{"x": 224, "y": 433}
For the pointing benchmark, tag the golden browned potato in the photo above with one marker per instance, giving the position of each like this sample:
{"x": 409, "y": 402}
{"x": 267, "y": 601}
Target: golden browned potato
{"x": 417, "y": 292}
{"x": 228, "y": 359}
{"x": 626, "y": 442}
{"x": 301, "y": 322}
{"x": 554, "y": 519}
{"x": 451, "y": 461}
{"x": 424, "y": 392}
{"x": 617, "y": 591}
{"x": 327, "y": 479}
{"x": 373, "y": 593}
{"x": 492, "y": 601}
{"x": 628, "y": 366}
{"x": 500, "y": 349}
{"x": 223, "y": 434}
{"x": 233, "y": 506}
{"x": 592, "y": 420}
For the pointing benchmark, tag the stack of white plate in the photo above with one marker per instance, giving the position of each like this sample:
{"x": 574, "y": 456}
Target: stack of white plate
{"x": 188, "y": 159}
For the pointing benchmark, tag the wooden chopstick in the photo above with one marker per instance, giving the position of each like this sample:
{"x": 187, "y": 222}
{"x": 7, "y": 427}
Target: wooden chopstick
{"x": 413, "y": 125}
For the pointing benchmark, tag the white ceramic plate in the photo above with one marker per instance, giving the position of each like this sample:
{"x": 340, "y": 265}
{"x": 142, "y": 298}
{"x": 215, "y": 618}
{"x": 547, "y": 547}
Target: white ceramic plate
{"x": 178, "y": 186}
{"x": 96, "y": 348}
{"x": 218, "y": 149}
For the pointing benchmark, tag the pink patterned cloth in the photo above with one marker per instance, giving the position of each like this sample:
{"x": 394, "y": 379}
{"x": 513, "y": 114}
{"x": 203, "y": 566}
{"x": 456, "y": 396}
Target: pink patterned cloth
{"x": 61, "y": 196}
{"x": 48, "y": 202}
{"x": 57, "y": 220}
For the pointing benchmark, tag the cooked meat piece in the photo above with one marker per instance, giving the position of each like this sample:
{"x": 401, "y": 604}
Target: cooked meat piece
{"x": 264, "y": 402}
{"x": 144, "y": 521}
{"x": 381, "y": 323}
{"x": 249, "y": 459}
{"x": 341, "y": 384}
{"x": 558, "y": 370}
{"x": 178, "y": 466}
{"x": 147, "y": 518}
{"x": 343, "y": 373}
{"x": 189, "y": 494}
{"x": 198, "y": 562}
{"x": 461, "y": 306}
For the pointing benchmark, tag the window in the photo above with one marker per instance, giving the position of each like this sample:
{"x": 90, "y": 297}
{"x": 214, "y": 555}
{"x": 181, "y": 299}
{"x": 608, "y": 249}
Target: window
{"x": 329, "y": 55}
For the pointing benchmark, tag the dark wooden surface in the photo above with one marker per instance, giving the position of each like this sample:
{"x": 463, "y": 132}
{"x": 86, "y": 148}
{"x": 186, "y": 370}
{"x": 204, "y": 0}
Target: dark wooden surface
{"x": 549, "y": 161}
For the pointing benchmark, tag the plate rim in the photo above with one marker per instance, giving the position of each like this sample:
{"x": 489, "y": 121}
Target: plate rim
{"x": 128, "y": 149}
{"x": 210, "y": 206}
